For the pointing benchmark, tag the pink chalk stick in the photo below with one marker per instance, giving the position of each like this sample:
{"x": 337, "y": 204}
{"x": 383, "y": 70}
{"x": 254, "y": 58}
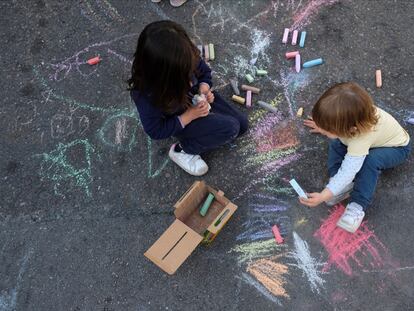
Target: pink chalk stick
{"x": 294, "y": 37}
{"x": 285, "y": 35}
{"x": 291, "y": 54}
{"x": 248, "y": 99}
{"x": 277, "y": 235}
{"x": 94, "y": 61}
{"x": 297, "y": 62}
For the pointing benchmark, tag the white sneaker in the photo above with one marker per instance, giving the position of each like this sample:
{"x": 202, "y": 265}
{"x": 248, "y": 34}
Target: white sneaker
{"x": 155, "y": 1}
{"x": 352, "y": 217}
{"x": 341, "y": 196}
{"x": 192, "y": 164}
{"x": 177, "y": 3}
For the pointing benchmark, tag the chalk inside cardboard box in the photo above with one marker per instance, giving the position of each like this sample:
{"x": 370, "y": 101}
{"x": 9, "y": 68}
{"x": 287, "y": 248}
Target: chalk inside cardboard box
{"x": 190, "y": 228}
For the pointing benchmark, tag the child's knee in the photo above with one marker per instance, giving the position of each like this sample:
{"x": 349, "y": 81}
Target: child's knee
{"x": 244, "y": 125}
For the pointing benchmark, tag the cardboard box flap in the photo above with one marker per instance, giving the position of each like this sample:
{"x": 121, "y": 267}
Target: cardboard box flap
{"x": 173, "y": 247}
{"x": 222, "y": 218}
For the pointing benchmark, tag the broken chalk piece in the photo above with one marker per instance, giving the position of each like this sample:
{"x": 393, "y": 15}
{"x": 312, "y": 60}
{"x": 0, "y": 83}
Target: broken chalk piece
{"x": 276, "y": 233}
{"x": 410, "y": 120}
{"x": 211, "y": 51}
{"x": 249, "y": 78}
{"x": 294, "y": 37}
{"x": 297, "y": 62}
{"x": 235, "y": 86}
{"x": 302, "y": 39}
{"x": 206, "y": 53}
{"x": 261, "y": 72}
{"x": 291, "y": 54}
{"x": 266, "y": 106}
{"x": 378, "y": 78}
{"x": 312, "y": 63}
{"x": 300, "y": 112}
{"x": 248, "y": 99}
{"x": 94, "y": 61}
{"x": 206, "y": 205}
{"x": 285, "y": 35}
{"x": 254, "y": 90}
{"x": 298, "y": 189}
{"x": 238, "y": 99}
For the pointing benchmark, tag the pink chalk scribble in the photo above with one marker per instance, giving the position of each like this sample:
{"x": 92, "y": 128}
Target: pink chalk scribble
{"x": 346, "y": 248}
{"x": 303, "y": 17}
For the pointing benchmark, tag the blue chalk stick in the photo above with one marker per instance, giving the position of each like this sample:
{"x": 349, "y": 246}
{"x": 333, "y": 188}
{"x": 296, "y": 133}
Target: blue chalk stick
{"x": 302, "y": 39}
{"x": 312, "y": 63}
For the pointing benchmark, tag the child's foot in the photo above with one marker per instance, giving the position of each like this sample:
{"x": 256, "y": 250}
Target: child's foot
{"x": 177, "y": 3}
{"x": 192, "y": 164}
{"x": 341, "y": 196}
{"x": 352, "y": 217}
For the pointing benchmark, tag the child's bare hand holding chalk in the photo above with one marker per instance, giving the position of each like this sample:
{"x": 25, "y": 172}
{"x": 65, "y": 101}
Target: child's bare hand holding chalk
{"x": 194, "y": 112}
{"x": 210, "y": 97}
{"x": 316, "y": 129}
{"x": 316, "y": 198}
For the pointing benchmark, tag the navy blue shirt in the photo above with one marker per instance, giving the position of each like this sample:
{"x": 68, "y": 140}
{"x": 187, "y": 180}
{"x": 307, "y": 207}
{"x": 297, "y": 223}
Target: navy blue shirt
{"x": 157, "y": 124}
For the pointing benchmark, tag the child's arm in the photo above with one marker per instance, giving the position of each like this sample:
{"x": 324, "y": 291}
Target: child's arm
{"x": 316, "y": 129}
{"x": 349, "y": 168}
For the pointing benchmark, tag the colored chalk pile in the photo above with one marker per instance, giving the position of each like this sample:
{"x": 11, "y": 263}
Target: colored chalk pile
{"x": 295, "y": 54}
{"x": 207, "y": 51}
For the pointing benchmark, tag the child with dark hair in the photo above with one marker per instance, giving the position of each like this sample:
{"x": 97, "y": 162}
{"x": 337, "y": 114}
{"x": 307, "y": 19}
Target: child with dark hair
{"x": 364, "y": 141}
{"x": 167, "y": 72}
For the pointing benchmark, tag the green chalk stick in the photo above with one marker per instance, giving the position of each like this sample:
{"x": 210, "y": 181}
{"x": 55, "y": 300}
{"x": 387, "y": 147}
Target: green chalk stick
{"x": 206, "y": 205}
{"x": 261, "y": 72}
{"x": 249, "y": 78}
{"x": 211, "y": 51}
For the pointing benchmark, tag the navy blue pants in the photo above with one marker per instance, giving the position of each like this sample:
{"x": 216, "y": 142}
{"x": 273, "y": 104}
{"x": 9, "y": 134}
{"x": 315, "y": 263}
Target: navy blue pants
{"x": 366, "y": 179}
{"x": 223, "y": 124}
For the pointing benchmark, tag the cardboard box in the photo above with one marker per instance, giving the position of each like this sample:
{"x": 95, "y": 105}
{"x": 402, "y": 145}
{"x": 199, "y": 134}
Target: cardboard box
{"x": 190, "y": 228}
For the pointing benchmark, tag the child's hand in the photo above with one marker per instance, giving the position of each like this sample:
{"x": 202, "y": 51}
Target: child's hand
{"x": 194, "y": 112}
{"x": 204, "y": 88}
{"x": 313, "y": 127}
{"x": 316, "y": 198}
{"x": 210, "y": 97}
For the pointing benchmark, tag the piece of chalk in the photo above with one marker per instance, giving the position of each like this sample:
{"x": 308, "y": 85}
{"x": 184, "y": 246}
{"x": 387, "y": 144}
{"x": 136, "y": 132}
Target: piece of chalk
{"x": 312, "y": 63}
{"x": 298, "y": 189}
{"x": 261, "y": 72}
{"x": 294, "y": 37}
{"x": 285, "y": 35}
{"x": 249, "y": 78}
{"x": 94, "y": 61}
{"x": 254, "y": 90}
{"x": 300, "y": 112}
{"x": 297, "y": 62}
{"x": 235, "y": 86}
{"x": 200, "y": 48}
{"x": 248, "y": 99}
{"x": 302, "y": 39}
{"x": 266, "y": 106}
{"x": 206, "y": 205}
{"x": 238, "y": 99}
{"x": 378, "y": 78}
{"x": 276, "y": 233}
{"x": 410, "y": 120}
{"x": 211, "y": 51}
{"x": 290, "y": 55}
{"x": 206, "y": 53}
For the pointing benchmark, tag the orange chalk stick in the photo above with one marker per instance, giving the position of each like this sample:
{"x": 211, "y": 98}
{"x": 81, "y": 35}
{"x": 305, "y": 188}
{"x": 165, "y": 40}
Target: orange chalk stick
{"x": 94, "y": 61}
{"x": 277, "y": 235}
{"x": 378, "y": 78}
{"x": 254, "y": 90}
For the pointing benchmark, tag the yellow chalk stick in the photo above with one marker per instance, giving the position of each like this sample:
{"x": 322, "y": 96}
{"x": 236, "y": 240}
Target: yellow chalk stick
{"x": 238, "y": 99}
{"x": 211, "y": 50}
{"x": 300, "y": 112}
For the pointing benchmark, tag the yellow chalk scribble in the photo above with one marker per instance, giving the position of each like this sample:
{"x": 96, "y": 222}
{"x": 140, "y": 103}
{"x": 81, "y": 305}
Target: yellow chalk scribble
{"x": 300, "y": 222}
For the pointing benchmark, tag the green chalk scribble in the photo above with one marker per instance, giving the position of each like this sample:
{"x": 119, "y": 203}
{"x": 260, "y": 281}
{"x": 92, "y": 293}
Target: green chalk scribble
{"x": 57, "y": 167}
{"x": 163, "y": 165}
